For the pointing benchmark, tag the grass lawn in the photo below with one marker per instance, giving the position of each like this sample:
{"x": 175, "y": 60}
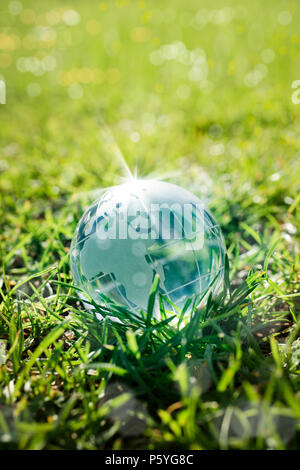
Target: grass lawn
{"x": 198, "y": 93}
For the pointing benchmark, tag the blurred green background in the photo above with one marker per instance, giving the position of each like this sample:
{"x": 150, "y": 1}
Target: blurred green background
{"x": 179, "y": 84}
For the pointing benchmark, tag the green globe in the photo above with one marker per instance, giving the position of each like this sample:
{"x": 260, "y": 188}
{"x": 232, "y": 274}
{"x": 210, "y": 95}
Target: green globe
{"x": 143, "y": 228}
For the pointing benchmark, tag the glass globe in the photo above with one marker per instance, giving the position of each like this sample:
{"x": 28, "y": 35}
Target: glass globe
{"x": 142, "y": 228}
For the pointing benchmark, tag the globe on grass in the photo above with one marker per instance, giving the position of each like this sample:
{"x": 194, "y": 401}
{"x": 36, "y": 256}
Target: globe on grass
{"x": 143, "y": 228}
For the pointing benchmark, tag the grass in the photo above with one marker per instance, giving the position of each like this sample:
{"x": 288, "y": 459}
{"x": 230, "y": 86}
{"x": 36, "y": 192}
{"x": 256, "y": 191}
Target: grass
{"x": 224, "y": 126}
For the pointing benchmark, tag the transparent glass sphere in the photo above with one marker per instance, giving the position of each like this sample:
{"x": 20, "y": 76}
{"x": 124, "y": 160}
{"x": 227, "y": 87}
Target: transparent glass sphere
{"x": 143, "y": 228}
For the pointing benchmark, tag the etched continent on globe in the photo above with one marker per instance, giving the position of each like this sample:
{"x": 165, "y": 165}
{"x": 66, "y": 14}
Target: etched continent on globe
{"x": 141, "y": 228}
{"x": 127, "y": 262}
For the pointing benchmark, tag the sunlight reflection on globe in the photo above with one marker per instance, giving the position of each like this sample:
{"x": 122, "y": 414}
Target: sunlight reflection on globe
{"x": 142, "y": 228}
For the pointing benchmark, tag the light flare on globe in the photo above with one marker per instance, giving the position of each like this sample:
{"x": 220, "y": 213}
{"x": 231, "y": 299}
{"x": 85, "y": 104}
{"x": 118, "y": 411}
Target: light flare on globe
{"x": 142, "y": 228}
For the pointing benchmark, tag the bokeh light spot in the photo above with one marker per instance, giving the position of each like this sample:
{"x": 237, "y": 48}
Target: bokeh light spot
{"x": 33, "y": 90}
{"x": 284, "y": 17}
{"x": 15, "y": 8}
{"x": 75, "y": 91}
{"x": 140, "y": 34}
{"x": 71, "y": 18}
{"x": 93, "y": 27}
